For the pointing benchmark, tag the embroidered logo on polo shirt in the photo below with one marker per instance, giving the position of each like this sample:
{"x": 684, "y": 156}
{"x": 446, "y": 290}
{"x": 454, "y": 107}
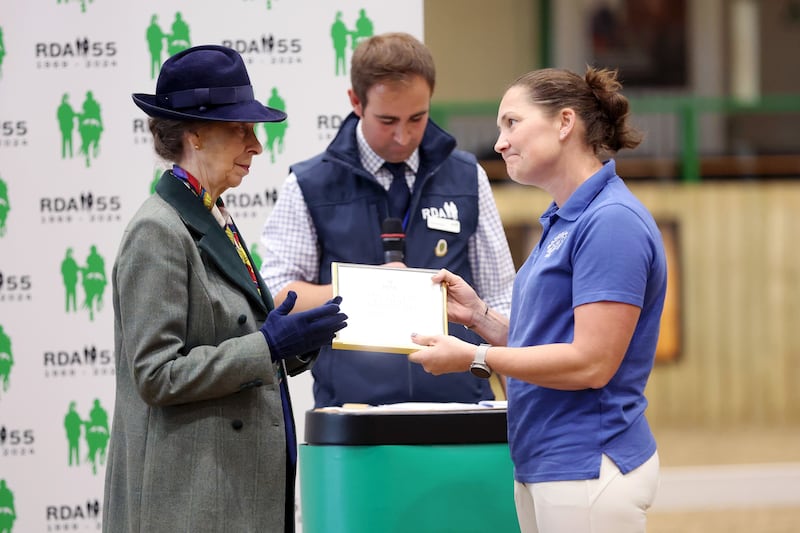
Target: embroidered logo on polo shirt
{"x": 555, "y": 243}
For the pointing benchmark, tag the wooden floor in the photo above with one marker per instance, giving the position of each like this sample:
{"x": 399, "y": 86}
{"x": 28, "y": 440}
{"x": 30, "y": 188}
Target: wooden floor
{"x": 698, "y": 447}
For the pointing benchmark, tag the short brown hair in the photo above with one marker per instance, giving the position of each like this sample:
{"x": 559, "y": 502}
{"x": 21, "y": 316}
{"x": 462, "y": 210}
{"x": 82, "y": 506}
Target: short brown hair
{"x": 390, "y": 56}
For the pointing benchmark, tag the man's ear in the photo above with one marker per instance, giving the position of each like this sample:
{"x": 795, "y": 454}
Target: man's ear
{"x": 355, "y": 102}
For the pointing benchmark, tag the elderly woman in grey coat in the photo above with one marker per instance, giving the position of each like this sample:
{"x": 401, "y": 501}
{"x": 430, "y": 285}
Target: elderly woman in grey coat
{"x": 203, "y": 437}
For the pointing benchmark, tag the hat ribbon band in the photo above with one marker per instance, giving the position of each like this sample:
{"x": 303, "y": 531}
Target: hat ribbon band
{"x": 205, "y": 96}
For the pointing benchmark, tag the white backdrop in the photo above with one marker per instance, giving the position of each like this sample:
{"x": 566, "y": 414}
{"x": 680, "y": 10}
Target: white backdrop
{"x": 55, "y": 203}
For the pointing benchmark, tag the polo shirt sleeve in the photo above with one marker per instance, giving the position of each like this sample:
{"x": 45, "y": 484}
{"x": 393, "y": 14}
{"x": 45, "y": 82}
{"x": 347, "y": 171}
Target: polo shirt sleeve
{"x": 612, "y": 257}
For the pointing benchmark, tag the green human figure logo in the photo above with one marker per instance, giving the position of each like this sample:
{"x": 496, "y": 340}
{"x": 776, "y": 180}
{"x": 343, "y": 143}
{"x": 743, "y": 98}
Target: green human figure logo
{"x": 154, "y": 182}
{"x": 8, "y": 513}
{"x": 364, "y": 28}
{"x": 156, "y": 39}
{"x": 69, "y": 274}
{"x": 66, "y": 121}
{"x": 340, "y": 33}
{"x": 2, "y": 52}
{"x": 256, "y": 257}
{"x": 269, "y": 4}
{"x": 179, "y": 39}
{"x": 5, "y": 206}
{"x": 96, "y": 435}
{"x": 93, "y": 281}
{"x": 339, "y": 37}
{"x": 275, "y": 130}
{"x": 83, "y": 10}
{"x": 90, "y": 127}
{"x": 72, "y": 426}
{"x": 6, "y": 360}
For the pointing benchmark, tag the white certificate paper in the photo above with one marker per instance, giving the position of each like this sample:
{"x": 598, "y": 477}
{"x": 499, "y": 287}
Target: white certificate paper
{"x": 385, "y": 305}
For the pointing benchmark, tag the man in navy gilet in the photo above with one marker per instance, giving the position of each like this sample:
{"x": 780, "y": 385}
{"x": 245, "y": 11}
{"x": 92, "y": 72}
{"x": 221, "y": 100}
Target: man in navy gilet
{"x": 333, "y": 205}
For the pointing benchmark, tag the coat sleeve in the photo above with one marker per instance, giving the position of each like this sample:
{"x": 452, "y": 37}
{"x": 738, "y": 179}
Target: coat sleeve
{"x": 186, "y": 333}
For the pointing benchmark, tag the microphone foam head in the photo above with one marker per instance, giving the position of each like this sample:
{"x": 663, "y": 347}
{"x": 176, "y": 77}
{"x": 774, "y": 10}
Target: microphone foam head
{"x": 392, "y": 225}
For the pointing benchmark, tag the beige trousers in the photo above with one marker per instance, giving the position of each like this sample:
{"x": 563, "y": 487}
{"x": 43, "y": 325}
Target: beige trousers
{"x": 613, "y": 503}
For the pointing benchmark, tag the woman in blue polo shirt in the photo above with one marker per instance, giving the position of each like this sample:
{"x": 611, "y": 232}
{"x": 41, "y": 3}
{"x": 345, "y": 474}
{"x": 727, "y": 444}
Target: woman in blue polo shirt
{"x": 581, "y": 339}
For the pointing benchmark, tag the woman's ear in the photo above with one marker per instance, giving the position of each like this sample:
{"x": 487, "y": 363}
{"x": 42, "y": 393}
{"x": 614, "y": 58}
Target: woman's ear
{"x": 567, "y": 122}
{"x": 567, "y": 119}
{"x": 193, "y": 139}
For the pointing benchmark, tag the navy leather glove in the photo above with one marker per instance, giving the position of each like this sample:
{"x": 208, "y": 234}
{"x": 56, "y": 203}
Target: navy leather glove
{"x": 290, "y": 335}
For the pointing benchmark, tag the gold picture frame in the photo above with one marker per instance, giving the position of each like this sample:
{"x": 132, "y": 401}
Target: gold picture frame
{"x": 385, "y": 305}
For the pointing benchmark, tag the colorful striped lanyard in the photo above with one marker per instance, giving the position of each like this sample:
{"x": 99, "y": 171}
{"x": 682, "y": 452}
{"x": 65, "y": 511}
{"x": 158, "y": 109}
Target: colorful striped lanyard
{"x": 230, "y": 227}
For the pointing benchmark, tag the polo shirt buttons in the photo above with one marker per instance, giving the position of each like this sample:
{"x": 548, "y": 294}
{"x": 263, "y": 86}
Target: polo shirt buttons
{"x": 237, "y": 424}
{"x": 242, "y": 319}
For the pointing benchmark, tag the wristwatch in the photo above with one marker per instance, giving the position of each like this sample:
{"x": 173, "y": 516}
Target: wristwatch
{"x": 479, "y": 367}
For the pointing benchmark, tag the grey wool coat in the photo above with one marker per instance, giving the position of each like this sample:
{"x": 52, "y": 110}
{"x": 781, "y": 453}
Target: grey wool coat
{"x": 198, "y": 441}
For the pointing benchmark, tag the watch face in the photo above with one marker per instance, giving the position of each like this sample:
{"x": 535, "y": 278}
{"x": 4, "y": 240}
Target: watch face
{"x": 480, "y": 370}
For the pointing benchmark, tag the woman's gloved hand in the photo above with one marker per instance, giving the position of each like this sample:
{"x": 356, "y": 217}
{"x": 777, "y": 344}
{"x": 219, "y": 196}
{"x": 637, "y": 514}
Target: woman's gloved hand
{"x": 289, "y": 335}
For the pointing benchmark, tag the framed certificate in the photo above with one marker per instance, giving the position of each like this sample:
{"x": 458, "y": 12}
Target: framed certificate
{"x": 385, "y": 305}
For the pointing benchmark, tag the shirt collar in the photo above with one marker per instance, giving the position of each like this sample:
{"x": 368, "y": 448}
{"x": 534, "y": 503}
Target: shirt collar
{"x": 372, "y": 162}
{"x": 585, "y": 193}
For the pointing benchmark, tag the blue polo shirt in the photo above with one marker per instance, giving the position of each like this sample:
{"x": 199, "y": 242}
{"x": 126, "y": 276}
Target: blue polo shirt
{"x": 601, "y": 245}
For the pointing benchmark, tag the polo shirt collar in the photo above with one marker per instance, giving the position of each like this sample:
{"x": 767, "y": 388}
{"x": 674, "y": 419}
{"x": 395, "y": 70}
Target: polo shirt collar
{"x": 586, "y": 192}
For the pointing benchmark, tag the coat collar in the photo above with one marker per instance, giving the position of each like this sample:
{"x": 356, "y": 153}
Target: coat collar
{"x": 211, "y": 239}
{"x": 435, "y": 147}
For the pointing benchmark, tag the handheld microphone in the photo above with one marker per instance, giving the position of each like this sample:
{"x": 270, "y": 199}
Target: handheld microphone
{"x": 394, "y": 240}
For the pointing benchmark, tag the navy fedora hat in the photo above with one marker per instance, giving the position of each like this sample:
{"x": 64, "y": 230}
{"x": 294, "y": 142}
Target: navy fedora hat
{"x": 206, "y": 82}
